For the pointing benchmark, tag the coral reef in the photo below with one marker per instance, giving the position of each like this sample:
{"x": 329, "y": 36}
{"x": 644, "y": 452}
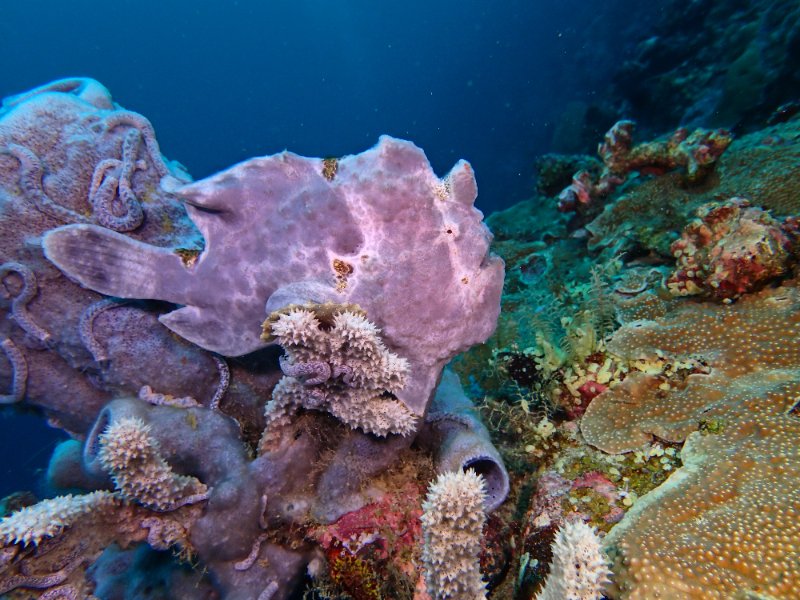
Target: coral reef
{"x": 729, "y": 509}
{"x": 724, "y": 64}
{"x": 695, "y": 152}
{"x": 648, "y": 217}
{"x": 173, "y": 422}
{"x": 640, "y": 383}
{"x": 664, "y": 420}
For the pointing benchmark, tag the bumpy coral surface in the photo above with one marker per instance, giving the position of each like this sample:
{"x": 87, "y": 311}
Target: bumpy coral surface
{"x": 49, "y": 518}
{"x": 579, "y": 568}
{"x": 130, "y": 454}
{"x": 731, "y": 248}
{"x": 452, "y": 521}
{"x": 726, "y": 379}
{"x": 339, "y": 364}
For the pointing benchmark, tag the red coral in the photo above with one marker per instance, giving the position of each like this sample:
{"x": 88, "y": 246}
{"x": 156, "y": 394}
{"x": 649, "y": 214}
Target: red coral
{"x": 389, "y": 525}
{"x": 353, "y": 574}
{"x": 598, "y": 482}
{"x": 731, "y": 249}
{"x": 695, "y": 152}
{"x": 363, "y": 543}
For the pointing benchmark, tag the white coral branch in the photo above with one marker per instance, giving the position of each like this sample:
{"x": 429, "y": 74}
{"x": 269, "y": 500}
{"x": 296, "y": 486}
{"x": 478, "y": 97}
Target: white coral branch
{"x": 452, "y": 526}
{"x": 131, "y": 456}
{"x": 579, "y": 568}
{"x": 342, "y": 367}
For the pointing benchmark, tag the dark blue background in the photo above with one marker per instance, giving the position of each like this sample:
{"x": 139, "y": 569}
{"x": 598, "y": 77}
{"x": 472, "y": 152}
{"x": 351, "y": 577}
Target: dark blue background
{"x": 223, "y": 81}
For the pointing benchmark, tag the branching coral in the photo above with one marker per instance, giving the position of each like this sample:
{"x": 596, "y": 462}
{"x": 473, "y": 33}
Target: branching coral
{"x": 49, "y": 518}
{"x": 337, "y": 362}
{"x": 579, "y": 568}
{"x": 452, "y": 522}
{"x": 131, "y": 455}
{"x": 696, "y": 152}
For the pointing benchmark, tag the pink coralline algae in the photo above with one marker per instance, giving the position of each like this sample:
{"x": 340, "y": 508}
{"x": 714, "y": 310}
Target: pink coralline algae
{"x": 695, "y": 152}
{"x": 730, "y": 249}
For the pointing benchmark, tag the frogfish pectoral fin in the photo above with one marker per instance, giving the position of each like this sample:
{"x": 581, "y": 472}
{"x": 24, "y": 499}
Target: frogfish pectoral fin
{"x": 115, "y": 265}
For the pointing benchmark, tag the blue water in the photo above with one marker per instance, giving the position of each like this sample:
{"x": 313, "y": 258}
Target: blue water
{"x": 225, "y": 81}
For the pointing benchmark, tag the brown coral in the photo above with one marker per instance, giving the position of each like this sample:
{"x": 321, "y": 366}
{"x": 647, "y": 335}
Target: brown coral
{"x": 725, "y": 523}
{"x": 761, "y": 166}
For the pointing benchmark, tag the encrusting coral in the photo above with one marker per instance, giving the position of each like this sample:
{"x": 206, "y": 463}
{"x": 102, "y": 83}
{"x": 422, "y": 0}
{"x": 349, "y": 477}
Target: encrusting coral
{"x": 452, "y": 523}
{"x": 724, "y": 378}
{"x": 336, "y": 362}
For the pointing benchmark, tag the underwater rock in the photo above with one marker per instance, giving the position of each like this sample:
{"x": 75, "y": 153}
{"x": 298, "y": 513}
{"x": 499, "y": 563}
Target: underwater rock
{"x": 687, "y": 453}
{"x": 727, "y": 64}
